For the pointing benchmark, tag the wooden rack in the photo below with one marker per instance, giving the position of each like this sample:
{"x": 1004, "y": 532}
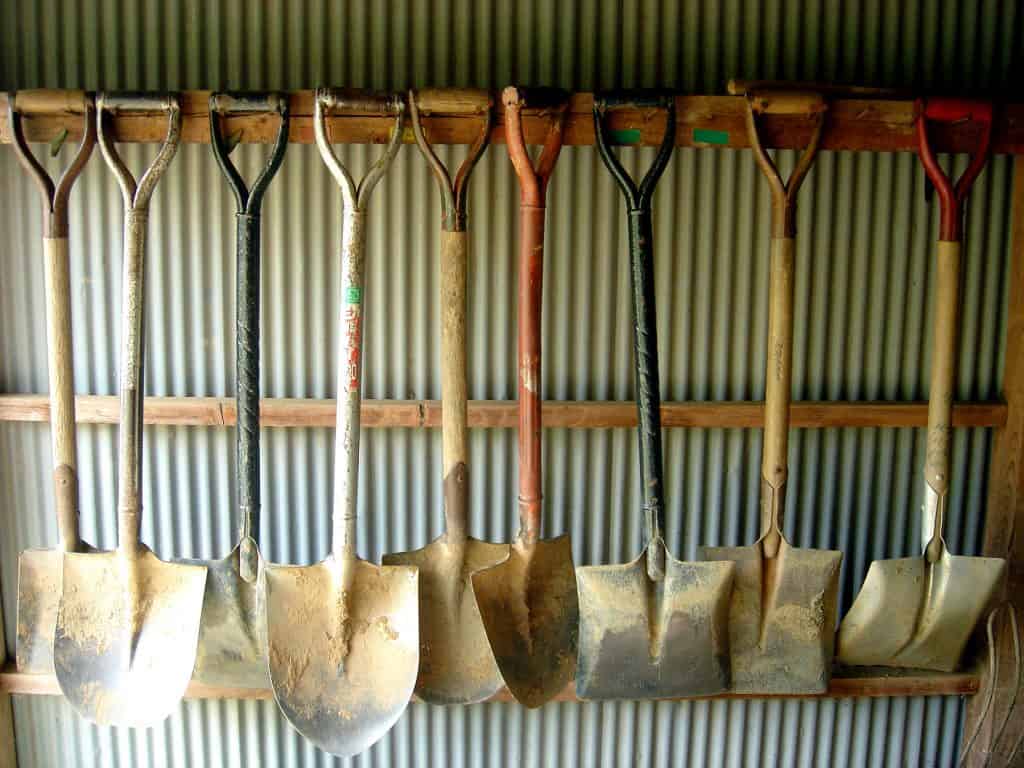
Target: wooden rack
{"x": 873, "y": 125}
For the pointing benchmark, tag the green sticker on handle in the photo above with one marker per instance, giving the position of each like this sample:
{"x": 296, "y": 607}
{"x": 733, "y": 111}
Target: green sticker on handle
{"x": 625, "y": 136}
{"x": 709, "y": 136}
{"x": 353, "y": 295}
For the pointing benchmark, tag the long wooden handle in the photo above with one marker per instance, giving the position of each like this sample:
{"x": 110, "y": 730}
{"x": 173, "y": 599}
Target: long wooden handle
{"x": 778, "y": 387}
{"x": 62, "y": 390}
{"x": 455, "y": 434}
{"x": 940, "y": 395}
{"x": 531, "y": 277}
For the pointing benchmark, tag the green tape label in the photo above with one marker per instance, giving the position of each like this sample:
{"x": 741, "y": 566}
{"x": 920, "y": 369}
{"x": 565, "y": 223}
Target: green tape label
{"x": 353, "y": 295}
{"x": 625, "y": 136}
{"x": 708, "y": 136}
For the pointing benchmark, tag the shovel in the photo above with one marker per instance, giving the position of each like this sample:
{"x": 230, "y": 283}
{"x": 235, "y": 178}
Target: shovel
{"x": 783, "y": 614}
{"x": 232, "y": 647}
{"x": 39, "y": 570}
{"x": 528, "y": 602}
{"x": 128, "y": 622}
{"x": 919, "y": 612}
{"x": 457, "y": 665}
{"x": 343, "y": 634}
{"x": 656, "y": 627}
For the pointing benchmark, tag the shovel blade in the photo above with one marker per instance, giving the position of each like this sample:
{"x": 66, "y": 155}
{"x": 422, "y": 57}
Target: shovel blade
{"x": 457, "y": 665}
{"x": 232, "y": 649}
{"x": 342, "y": 664}
{"x": 915, "y": 615}
{"x": 782, "y": 618}
{"x": 641, "y": 639}
{"x": 124, "y": 665}
{"x": 530, "y": 612}
{"x": 39, "y": 586}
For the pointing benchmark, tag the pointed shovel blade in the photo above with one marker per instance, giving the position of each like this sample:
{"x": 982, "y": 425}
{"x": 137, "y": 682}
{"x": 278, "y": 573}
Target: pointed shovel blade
{"x": 116, "y": 665}
{"x": 40, "y": 581}
{"x": 530, "y": 611}
{"x": 232, "y": 649}
{"x": 915, "y": 615}
{"x": 782, "y": 618}
{"x": 342, "y": 664}
{"x": 457, "y": 665}
{"x": 641, "y": 639}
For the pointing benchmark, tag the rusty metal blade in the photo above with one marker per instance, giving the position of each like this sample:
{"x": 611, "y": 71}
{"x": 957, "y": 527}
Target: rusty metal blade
{"x": 232, "y": 648}
{"x": 530, "y": 610}
{"x": 910, "y": 614}
{"x": 123, "y": 661}
{"x": 782, "y": 618}
{"x": 343, "y": 663}
{"x": 641, "y": 639}
{"x": 457, "y": 665}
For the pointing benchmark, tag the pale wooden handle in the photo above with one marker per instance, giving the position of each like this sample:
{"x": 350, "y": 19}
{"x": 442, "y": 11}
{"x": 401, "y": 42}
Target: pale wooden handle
{"x": 62, "y": 390}
{"x": 453, "y": 101}
{"x": 787, "y": 103}
{"x": 940, "y": 397}
{"x": 39, "y": 101}
{"x": 454, "y": 267}
{"x": 779, "y": 375}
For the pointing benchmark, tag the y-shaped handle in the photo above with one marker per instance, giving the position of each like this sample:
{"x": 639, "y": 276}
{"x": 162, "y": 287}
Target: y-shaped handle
{"x": 247, "y": 306}
{"x": 54, "y": 198}
{"x": 645, "y": 329}
{"x": 355, "y": 198}
{"x": 136, "y": 197}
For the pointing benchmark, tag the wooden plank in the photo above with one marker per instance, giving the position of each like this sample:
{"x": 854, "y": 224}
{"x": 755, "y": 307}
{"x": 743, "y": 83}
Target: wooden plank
{"x": 1004, "y": 523}
{"x": 865, "y": 124}
{"x": 859, "y": 683}
{"x": 502, "y": 414}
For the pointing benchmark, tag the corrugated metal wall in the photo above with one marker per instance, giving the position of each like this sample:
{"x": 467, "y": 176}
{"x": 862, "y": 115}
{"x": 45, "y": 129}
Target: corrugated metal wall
{"x": 863, "y": 293}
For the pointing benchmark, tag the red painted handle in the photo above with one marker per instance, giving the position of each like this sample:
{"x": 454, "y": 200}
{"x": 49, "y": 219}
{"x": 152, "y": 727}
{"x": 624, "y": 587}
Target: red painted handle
{"x": 952, "y": 197}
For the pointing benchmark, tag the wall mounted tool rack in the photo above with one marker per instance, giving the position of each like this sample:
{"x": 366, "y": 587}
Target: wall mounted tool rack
{"x": 869, "y": 121}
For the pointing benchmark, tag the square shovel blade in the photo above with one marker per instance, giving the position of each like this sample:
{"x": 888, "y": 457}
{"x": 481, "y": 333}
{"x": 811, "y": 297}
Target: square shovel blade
{"x": 530, "y": 610}
{"x": 782, "y": 618}
{"x": 456, "y": 662}
{"x": 641, "y": 639}
{"x": 118, "y": 665}
{"x": 343, "y": 663}
{"x": 232, "y": 649}
{"x": 915, "y": 615}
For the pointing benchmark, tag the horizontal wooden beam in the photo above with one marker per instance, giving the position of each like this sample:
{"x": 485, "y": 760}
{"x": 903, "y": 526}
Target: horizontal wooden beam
{"x": 503, "y": 414}
{"x": 847, "y": 684}
{"x": 866, "y": 124}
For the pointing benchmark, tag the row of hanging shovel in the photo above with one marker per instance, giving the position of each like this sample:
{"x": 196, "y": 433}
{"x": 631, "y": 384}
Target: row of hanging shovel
{"x": 345, "y": 643}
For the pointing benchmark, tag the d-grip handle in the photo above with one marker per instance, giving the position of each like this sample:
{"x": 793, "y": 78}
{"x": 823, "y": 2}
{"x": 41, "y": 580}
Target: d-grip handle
{"x": 454, "y": 430}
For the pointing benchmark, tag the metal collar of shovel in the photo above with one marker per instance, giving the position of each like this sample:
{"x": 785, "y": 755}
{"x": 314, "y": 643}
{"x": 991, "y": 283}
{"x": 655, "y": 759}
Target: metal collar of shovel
{"x": 457, "y": 665}
{"x": 39, "y": 570}
{"x": 232, "y": 646}
{"x": 655, "y": 627}
{"x": 343, "y": 633}
{"x": 128, "y": 622}
{"x": 919, "y": 612}
{"x": 783, "y": 614}
{"x": 528, "y": 602}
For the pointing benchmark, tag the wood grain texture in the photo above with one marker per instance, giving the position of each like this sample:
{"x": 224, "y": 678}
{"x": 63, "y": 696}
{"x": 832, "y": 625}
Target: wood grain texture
{"x": 876, "y": 125}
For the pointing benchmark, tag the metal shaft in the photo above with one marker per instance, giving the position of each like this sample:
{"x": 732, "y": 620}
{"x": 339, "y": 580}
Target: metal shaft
{"x": 247, "y": 356}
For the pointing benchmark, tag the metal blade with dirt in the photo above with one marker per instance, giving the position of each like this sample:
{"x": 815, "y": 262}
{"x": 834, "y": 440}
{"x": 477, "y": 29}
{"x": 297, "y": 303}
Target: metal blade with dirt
{"x": 782, "y": 617}
{"x": 655, "y": 627}
{"x": 343, "y": 634}
{"x": 128, "y": 622}
{"x": 528, "y": 603}
{"x": 40, "y": 571}
{"x": 920, "y": 612}
{"x": 232, "y": 647}
{"x": 457, "y": 665}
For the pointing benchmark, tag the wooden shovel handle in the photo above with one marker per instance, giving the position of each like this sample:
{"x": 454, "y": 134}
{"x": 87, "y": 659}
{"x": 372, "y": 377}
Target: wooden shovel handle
{"x": 455, "y": 434}
{"x": 44, "y": 101}
{"x": 940, "y": 394}
{"x": 453, "y": 101}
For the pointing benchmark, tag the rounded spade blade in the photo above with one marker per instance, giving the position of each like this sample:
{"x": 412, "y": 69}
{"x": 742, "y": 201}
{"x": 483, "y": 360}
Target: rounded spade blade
{"x": 457, "y": 665}
{"x": 782, "y": 617}
{"x": 642, "y": 639}
{"x": 126, "y": 635}
{"x": 530, "y": 611}
{"x": 343, "y": 663}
